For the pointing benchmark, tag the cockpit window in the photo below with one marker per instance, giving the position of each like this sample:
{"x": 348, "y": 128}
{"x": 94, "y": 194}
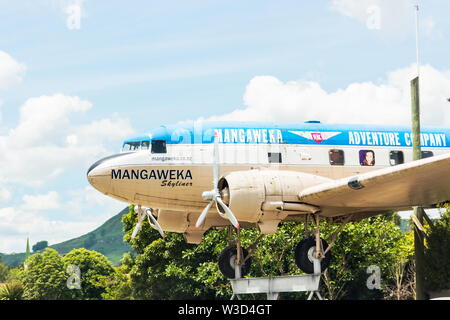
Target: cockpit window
{"x": 145, "y": 145}
{"x": 159, "y": 146}
{"x": 130, "y": 146}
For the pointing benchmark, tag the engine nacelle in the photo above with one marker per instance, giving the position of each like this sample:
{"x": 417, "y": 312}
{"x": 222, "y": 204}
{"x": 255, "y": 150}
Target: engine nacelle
{"x": 252, "y": 194}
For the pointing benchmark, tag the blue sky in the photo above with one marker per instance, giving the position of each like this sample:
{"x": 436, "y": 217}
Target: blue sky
{"x": 74, "y": 94}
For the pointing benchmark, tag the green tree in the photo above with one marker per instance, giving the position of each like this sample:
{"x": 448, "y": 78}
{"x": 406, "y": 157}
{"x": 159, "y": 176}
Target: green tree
{"x": 402, "y": 271}
{"x": 3, "y": 272}
{"x": 172, "y": 269}
{"x": 44, "y": 276}
{"x": 41, "y": 245}
{"x": 437, "y": 257}
{"x": 96, "y": 271}
{"x": 120, "y": 287}
{"x": 374, "y": 241}
{"x": 15, "y": 274}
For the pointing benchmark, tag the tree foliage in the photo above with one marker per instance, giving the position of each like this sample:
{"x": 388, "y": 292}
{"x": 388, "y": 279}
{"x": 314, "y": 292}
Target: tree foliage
{"x": 120, "y": 288}
{"x": 172, "y": 269}
{"x": 437, "y": 257}
{"x": 376, "y": 241}
{"x": 96, "y": 273}
{"x": 41, "y": 245}
{"x": 3, "y": 272}
{"x": 44, "y": 277}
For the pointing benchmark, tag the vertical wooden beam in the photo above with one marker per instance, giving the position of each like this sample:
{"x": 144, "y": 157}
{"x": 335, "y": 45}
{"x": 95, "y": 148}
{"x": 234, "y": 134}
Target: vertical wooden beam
{"x": 415, "y": 113}
{"x": 418, "y": 211}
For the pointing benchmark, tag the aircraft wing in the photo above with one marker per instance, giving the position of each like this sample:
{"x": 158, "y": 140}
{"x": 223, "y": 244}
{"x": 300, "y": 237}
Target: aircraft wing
{"x": 417, "y": 183}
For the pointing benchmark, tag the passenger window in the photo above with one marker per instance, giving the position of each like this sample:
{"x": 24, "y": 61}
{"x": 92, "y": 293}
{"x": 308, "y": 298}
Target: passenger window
{"x": 336, "y": 157}
{"x": 274, "y": 157}
{"x": 396, "y": 157}
{"x": 366, "y": 157}
{"x": 159, "y": 146}
{"x": 427, "y": 154}
{"x": 145, "y": 145}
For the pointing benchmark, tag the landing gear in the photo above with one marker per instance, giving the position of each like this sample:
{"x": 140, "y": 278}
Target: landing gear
{"x": 312, "y": 246}
{"x": 304, "y": 255}
{"x": 235, "y": 261}
{"x": 228, "y": 262}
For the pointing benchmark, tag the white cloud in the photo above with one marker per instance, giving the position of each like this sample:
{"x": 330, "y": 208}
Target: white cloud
{"x": 393, "y": 18}
{"x": 40, "y": 202}
{"x": 88, "y": 202}
{"x": 72, "y": 139}
{"x": 47, "y": 141}
{"x": 429, "y": 25}
{"x": 11, "y": 71}
{"x": 268, "y": 99}
{"x": 358, "y": 8}
{"x": 44, "y": 117}
{"x": 17, "y": 224}
{"x": 5, "y": 194}
{"x": 107, "y": 129}
{"x": 85, "y": 210}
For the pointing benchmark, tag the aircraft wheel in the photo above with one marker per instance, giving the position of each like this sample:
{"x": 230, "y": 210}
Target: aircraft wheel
{"x": 227, "y": 260}
{"x": 304, "y": 255}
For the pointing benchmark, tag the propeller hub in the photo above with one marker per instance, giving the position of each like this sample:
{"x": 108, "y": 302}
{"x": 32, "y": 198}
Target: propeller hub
{"x": 208, "y": 195}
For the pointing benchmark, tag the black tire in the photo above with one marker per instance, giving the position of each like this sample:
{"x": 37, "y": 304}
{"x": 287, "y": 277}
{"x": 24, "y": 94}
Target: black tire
{"x": 225, "y": 265}
{"x": 303, "y": 260}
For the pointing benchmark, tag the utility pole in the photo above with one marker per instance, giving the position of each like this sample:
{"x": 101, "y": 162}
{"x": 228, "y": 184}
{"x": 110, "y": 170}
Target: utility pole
{"x": 418, "y": 211}
{"x": 417, "y": 154}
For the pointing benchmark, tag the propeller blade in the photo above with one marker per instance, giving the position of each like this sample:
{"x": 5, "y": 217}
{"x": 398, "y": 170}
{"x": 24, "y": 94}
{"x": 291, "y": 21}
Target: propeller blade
{"x": 138, "y": 226}
{"x": 202, "y": 216}
{"x": 216, "y": 169}
{"x": 154, "y": 223}
{"x": 229, "y": 214}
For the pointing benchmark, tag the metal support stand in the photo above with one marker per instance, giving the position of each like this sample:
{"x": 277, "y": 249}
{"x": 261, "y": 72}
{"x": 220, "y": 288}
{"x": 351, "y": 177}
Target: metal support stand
{"x": 272, "y": 286}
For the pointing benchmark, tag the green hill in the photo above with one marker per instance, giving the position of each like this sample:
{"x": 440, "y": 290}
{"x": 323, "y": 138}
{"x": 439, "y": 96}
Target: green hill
{"x": 106, "y": 239}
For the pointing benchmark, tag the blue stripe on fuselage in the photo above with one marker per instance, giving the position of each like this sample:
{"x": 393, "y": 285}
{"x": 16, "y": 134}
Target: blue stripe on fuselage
{"x": 297, "y": 133}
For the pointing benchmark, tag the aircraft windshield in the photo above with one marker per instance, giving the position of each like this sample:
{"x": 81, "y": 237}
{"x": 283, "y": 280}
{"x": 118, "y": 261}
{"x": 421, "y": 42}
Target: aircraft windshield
{"x": 136, "y": 145}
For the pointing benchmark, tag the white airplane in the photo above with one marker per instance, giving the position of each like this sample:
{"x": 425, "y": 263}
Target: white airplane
{"x": 195, "y": 176}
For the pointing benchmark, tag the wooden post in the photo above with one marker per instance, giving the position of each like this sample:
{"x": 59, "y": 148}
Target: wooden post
{"x": 418, "y": 211}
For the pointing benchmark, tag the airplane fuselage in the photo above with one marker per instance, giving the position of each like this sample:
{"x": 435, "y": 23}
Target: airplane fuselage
{"x": 170, "y": 167}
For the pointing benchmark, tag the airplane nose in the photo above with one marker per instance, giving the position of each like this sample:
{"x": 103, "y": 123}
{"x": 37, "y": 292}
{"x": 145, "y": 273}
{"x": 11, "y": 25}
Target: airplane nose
{"x": 94, "y": 165}
{"x": 97, "y": 163}
{"x": 95, "y": 176}
{"x": 98, "y": 173}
